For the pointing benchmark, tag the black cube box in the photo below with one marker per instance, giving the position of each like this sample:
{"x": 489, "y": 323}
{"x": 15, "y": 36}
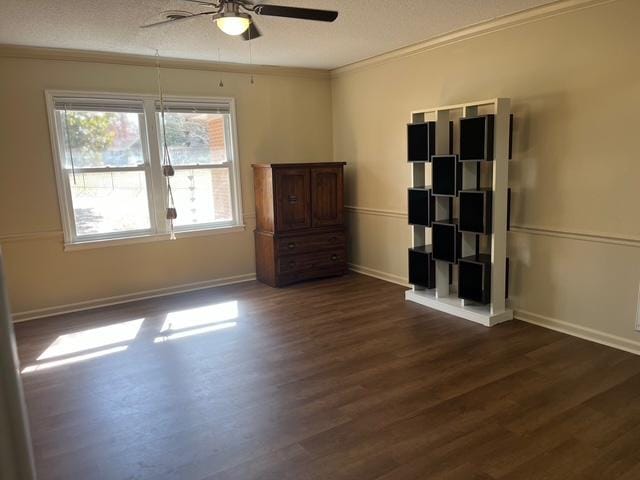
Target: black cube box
{"x": 422, "y": 206}
{"x": 476, "y": 138}
{"x": 474, "y": 278}
{"x": 421, "y": 141}
{"x": 422, "y": 268}
{"x": 446, "y": 240}
{"x": 446, "y": 175}
{"x": 475, "y": 210}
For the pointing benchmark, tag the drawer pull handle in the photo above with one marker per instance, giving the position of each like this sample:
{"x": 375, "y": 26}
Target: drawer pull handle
{"x": 293, "y": 199}
{"x": 334, "y": 257}
{"x": 291, "y": 245}
{"x": 292, "y": 263}
{"x": 333, "y": 239}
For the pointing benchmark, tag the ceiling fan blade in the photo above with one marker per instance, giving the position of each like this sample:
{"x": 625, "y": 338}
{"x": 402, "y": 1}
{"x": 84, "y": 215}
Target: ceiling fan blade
{"x": 176, "y": 19}
{"x": 201, "y": 2}
{"x": 252, "y": 32}
{"x": 296, "y": 12}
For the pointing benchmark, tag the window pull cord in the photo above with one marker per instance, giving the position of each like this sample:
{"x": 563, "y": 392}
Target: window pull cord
{"x": 167, "y": 169}
{"x": 66, "y": 126}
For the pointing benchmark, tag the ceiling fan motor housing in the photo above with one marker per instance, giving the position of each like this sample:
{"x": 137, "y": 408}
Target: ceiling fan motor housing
{"x": 230, "y": 9}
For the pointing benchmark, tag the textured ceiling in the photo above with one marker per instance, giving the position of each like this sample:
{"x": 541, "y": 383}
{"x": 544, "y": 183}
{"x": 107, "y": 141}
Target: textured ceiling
{"x": 364, "y": 28}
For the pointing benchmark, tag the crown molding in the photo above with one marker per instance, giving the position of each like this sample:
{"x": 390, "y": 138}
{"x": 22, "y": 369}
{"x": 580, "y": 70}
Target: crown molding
{"x": 90, "y": 56}
{"x": 483, "y": 28}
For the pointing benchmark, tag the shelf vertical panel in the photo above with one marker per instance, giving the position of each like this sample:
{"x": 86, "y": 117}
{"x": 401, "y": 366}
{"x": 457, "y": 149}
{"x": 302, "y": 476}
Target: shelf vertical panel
{"x": 499, "y": 221}
{"x": 442, "y": 204}
{"x": 418, "y": 178}
{"x": 469, "y": 181}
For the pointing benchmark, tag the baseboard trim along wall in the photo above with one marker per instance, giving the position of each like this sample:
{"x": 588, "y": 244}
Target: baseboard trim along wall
{"x": 129, "y": 297}
{"x": 577, "y": 331}
{"x": 546, "y": 322}
{"x": 380, "y": 275}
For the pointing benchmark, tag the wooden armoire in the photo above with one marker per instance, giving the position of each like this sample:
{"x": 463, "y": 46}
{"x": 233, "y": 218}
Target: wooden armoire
{"x": 300, "y": 231}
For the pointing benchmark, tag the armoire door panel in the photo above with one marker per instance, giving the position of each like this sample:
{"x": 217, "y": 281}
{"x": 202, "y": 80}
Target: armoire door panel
{"x": 293, "y": 199}
{"x": 326, "y": 196}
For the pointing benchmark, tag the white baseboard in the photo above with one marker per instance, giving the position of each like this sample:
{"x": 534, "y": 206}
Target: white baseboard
{"x": 129, "y": 297}
{"x": 370, "y": 272}
{"x": 585, "y": 333}
{"x": 579, "y": 331}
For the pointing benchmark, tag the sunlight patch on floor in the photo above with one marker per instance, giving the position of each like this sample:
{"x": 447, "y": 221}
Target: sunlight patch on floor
{"x": 93, "y": 338}
{"x": 74, "y": 359}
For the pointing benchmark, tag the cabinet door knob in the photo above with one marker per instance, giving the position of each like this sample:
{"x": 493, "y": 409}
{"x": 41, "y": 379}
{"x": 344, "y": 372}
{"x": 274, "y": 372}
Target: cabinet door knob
{"x": 291, "y": 245}
{"x": 333, "y": 239}
{"x": 334, "y": 257}
{"x": 292, "y": 263}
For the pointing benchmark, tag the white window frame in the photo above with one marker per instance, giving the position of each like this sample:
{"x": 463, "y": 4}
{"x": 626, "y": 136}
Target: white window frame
{"x": 156, "y": 186}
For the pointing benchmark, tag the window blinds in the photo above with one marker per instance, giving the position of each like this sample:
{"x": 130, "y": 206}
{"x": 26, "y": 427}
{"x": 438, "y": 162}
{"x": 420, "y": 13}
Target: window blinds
{"x": 194, "y": 107}
{"x": 98, "y": 105}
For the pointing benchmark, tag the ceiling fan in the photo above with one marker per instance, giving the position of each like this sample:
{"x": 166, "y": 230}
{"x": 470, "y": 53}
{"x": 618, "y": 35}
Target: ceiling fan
{"x": 232, "y": 18}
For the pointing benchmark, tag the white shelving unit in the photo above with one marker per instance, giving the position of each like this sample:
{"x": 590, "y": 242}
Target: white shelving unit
{"x": 441, "y": 298}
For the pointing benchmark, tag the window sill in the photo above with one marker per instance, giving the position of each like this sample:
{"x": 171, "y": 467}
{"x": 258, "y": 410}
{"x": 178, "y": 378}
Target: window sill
{"x": 154, "y": 237}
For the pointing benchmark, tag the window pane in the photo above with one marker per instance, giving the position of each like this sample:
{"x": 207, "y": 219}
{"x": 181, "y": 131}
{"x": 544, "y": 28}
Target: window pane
{"x": 98, "y": 139}
{"x": 195, "y": 138}
{"x": 202, "y": 195}
{"x": 107, "y": 202}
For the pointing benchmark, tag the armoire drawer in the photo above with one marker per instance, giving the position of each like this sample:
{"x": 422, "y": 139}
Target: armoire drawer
{"x": 312, "y": 261}
{"x": 292, "y": 277}
{"x": 310, "y": 243}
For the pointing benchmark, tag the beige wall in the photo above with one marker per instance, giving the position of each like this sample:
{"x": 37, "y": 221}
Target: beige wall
{"x": 574, "y": 80}
{"x": 40, "y": 274}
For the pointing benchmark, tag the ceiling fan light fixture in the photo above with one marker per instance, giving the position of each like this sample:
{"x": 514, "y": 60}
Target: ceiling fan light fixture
{"x": 233, "y": 23}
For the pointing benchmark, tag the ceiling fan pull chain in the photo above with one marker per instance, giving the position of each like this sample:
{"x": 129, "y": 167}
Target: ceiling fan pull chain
{"x": 219, "y": 84}
{"x": 250, "y": 57}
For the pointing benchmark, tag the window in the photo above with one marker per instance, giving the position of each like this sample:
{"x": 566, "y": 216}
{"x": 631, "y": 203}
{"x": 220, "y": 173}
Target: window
{"x": 200, "y": 148}
{"x": 108, "y": 164}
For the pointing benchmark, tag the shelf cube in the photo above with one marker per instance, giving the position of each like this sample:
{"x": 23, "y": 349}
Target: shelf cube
{"x": 446, "y": 175}
{"x": 475, "y": 211}
{"x": 474, "y": 278}
{"x": 422, "y": 206}
{"x": 422, "y": 268}
{"x": 446, "y": 240}
{"x": 421, "y": 141}
{"x": 506, "y": 279}
{"x": 508, "y": 209}
{"x": 476, "y": 138}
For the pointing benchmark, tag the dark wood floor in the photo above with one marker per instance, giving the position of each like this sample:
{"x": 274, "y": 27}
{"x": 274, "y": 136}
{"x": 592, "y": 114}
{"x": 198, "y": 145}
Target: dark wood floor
{"x": 334, "y": 379}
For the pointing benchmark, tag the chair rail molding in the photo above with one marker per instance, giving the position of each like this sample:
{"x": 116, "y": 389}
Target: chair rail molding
{"x": 580, "y": 235}
{"x": 376, "y": 211}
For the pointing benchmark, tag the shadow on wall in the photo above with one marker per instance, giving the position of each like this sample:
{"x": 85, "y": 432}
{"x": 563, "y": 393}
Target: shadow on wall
{"x": 533, "y": 163}
{"x": 350, "y": 189}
